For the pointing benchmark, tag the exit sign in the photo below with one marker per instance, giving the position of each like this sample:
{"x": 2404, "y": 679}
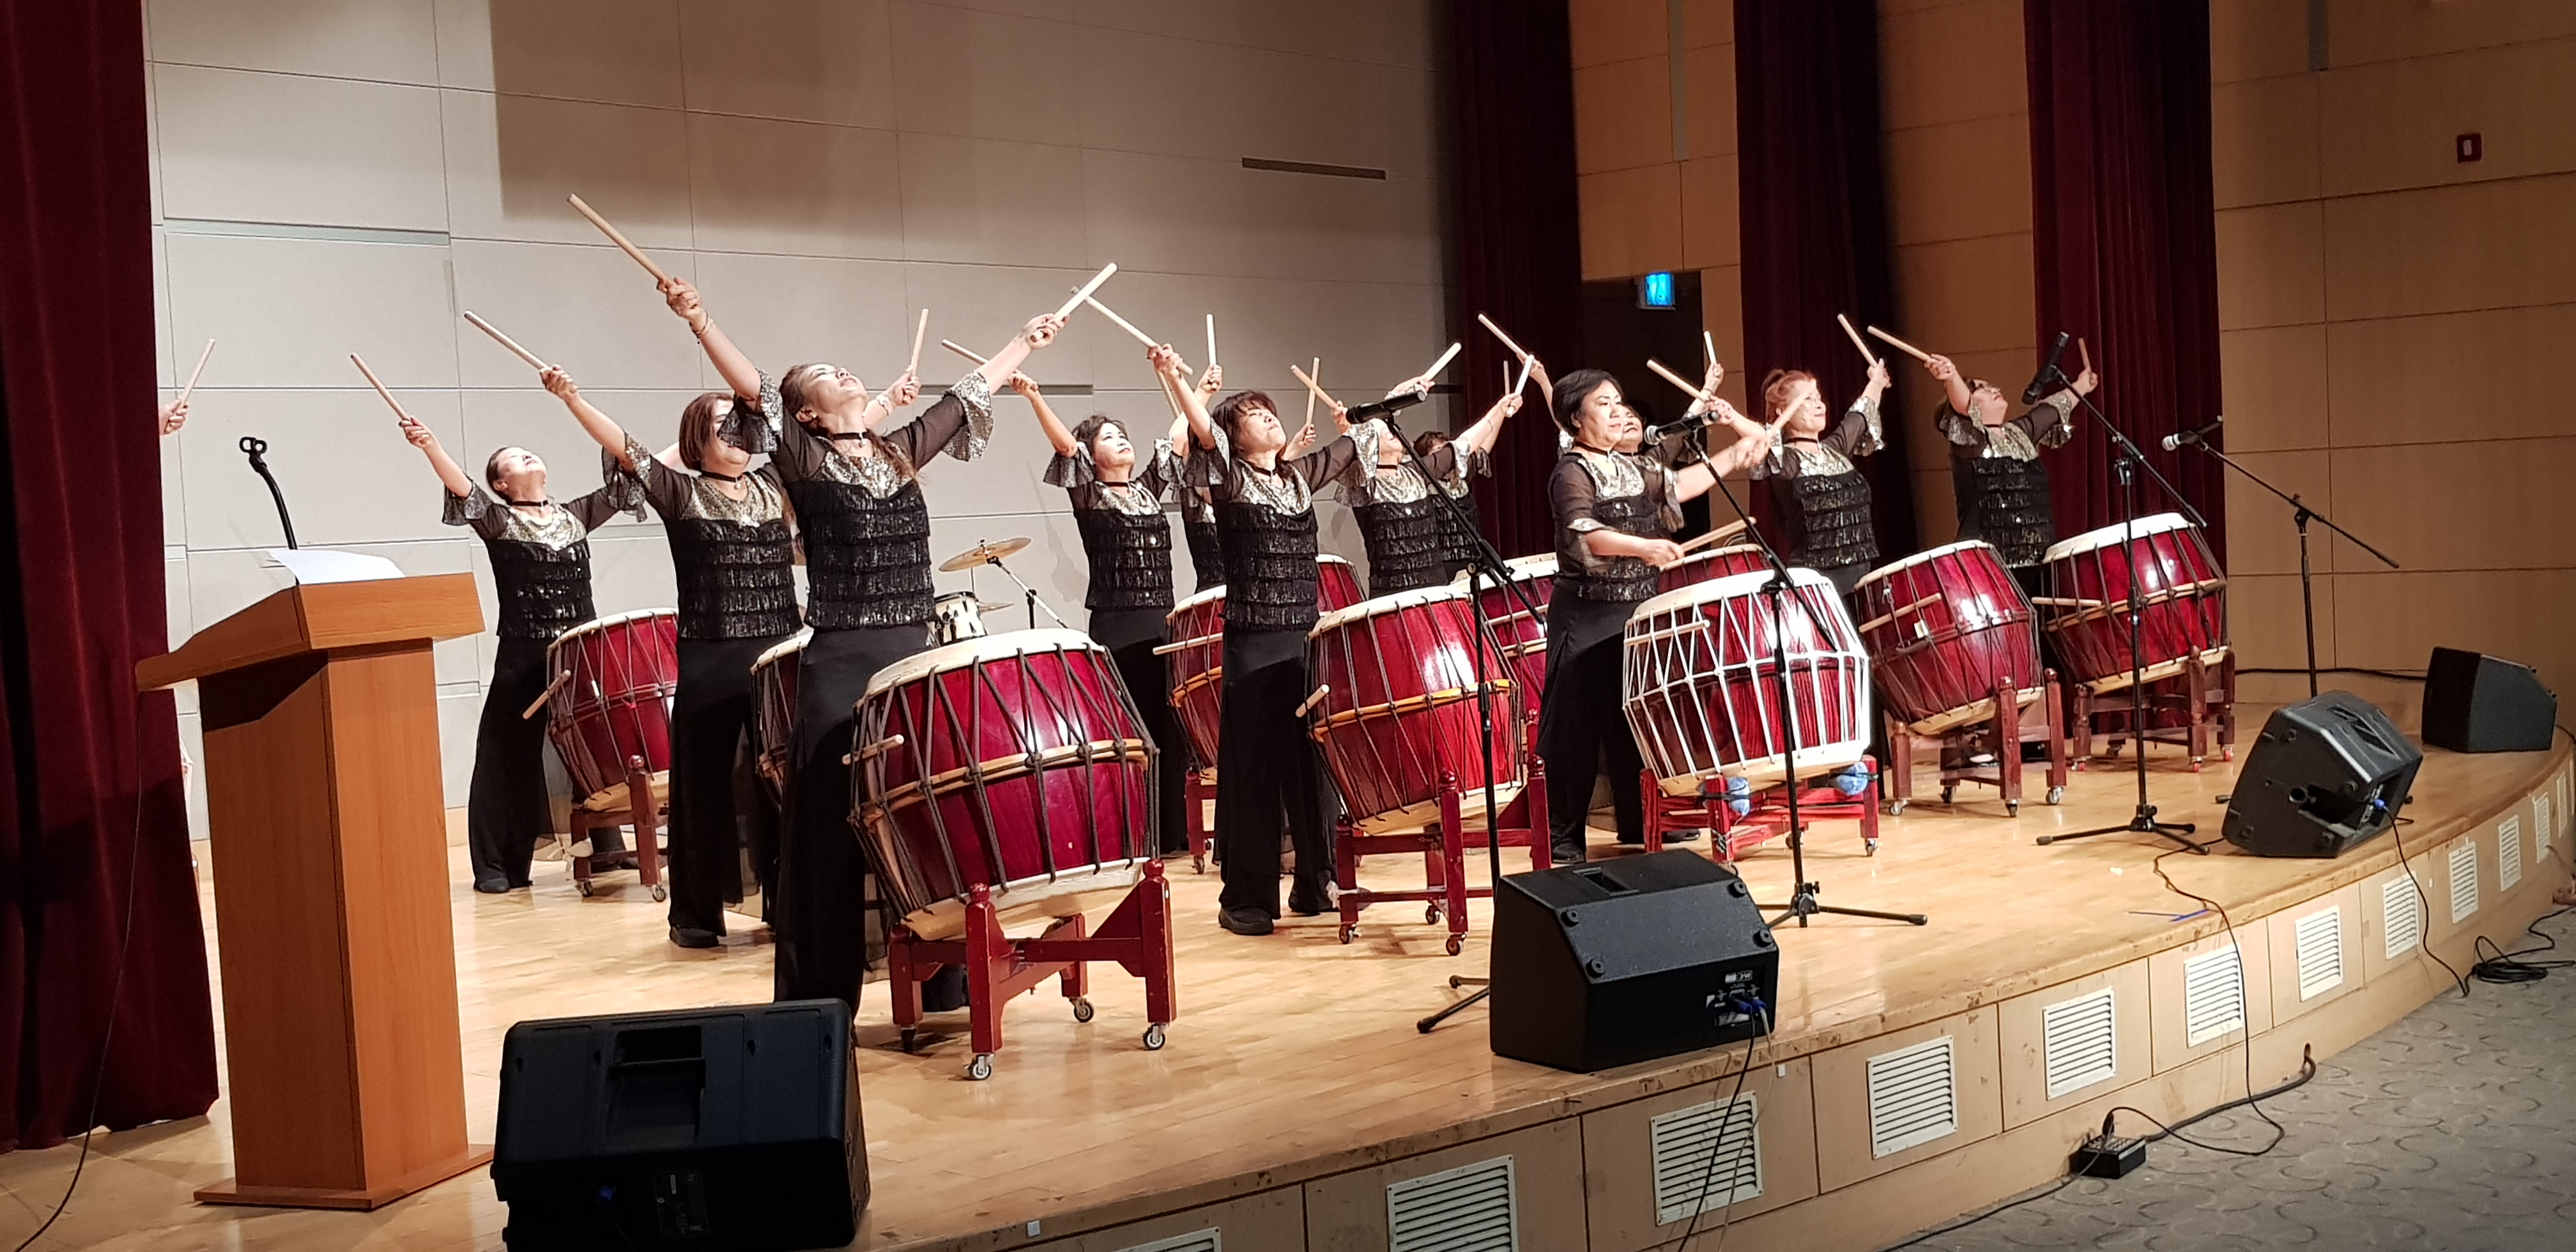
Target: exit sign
{"x": 1655, "y": 291}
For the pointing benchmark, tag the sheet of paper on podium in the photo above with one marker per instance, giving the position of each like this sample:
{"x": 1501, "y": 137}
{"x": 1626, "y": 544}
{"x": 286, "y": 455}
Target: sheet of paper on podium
{"x": 321, "y": 565}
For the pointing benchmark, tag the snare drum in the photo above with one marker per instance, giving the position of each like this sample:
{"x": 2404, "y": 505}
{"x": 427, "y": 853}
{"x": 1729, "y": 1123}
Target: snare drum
{"x": 1700, "y": 567}
{"x": 1946, "y": 630}
{"x": 616, "y": 703}
{"x": 1014, "y": 762}
{"x": 1195, "y": 661}
{"x": 773, "y": 733}
{"x": 2181, "y": 597}
{"x": 1337, "y": 586}
{"x": 1701, "y": 694}
{"x": 1517, "y": 614}
{"x": 1398, "y": 711}
{"x": 956, "y": 616}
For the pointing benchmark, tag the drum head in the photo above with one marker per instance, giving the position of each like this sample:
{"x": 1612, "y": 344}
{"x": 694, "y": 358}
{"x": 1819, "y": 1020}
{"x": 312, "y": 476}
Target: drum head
{"x": 2116, "y": 533}
{"x": 1393, "y": 602}
{"x": 1521, "y": 569}
{"x": 1205, "y": 595}
{"x": 795, "y": 643}
{"x": 1920, "y": 557}
{"x": 1730, "y": 587}
{"x": 967, "y": 652}
{"x": 598, "y": 624}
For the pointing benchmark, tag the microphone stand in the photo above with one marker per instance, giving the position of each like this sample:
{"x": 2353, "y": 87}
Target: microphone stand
{"x": 254, "y": 447}
{"x": 2126, "y": 463}
{"x": 1802, "y": 902}
{"x": 2300, "y": 516}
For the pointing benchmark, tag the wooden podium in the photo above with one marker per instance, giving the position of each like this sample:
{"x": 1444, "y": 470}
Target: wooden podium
{"x": 331, "y": 900}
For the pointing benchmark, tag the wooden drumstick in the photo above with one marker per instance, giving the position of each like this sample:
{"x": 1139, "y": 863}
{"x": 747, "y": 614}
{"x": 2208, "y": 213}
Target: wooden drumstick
{"x": 1314, "y": 391}
{"x": 1902, "y": 346}
{"x": 1521, "y": 383}
{"x": 1673, "y": 378}
{"x": 1517, "y": 350}
{"x": 2082, "y": 353}
{"x": 191, "y": 388}
{"x": 1084, "y": 292}
{"x": 504, "y": 340}
{"x": 1865, "y": 353}
{"x": 1728, "y": 531}
{"x": 1708, "y": 346}
{"x": 1211, "y": 329}
{"x": 615, "y": 237}
{"x": 547, "y": 694}
{"x": 918, "y": 330}
{"x": 1442, "y": 363}
{"x": 380, "y": 388}
{"x": 1315, "y": 699}
{"x": 952, "y": 346}
{"x": 1123, "y": 323}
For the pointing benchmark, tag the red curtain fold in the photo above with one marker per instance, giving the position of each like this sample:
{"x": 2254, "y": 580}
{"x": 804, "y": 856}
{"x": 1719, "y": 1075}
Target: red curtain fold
{"x": 1814, "y": 214}
{"x": 92, "y": 818}
{"x": 1519, "y": 243}
{"x": 2125, "y": 238}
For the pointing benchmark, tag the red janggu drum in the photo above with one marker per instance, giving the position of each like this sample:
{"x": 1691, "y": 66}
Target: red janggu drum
{"x": 1195, "y": 657}
{"x": 2180, "y": 592}
{"x": 617, "y": 675}
{"x": 1517, "y": 616}
{"x": 1699, "y": 689}
{"x": 773, "y": 732}
{"x": 1715, "y": 563}
{"x": 1337, "y": 585}
{"x": 1947, "y": 629}
{"x": 1395, "y": 710}
{"x": 1015, "y": 762}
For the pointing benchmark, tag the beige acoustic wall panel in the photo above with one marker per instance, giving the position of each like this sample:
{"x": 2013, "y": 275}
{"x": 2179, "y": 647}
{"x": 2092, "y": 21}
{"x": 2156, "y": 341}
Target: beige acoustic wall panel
{"x": 1645, "y": 1162}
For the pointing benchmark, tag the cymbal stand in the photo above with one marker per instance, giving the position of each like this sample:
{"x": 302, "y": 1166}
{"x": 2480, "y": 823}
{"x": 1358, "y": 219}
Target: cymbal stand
{"x": 1035, "y": 604}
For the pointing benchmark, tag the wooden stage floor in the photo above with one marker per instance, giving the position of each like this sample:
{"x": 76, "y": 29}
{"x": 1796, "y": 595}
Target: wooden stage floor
{"x": 1295, "y": 1057}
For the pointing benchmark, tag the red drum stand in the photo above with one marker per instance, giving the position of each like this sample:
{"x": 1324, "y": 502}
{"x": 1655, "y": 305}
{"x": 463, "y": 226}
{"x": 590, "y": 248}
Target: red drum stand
{"x": 2202, "y": 697}
{"x": 2001, "y": 734}
{"x": 1768, "y": 819}
{"x": 1137, "y": 935}
{"x": 1197, "y": 790}
{"x": 1443, "y": 847}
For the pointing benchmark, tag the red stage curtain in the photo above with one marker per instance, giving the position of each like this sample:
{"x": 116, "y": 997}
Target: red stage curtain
{"x": 94, "y": 820}
{"x": 2125, "y": 237}
{"x": 1519, "y": 258}
{"x": 1814, "y": 214}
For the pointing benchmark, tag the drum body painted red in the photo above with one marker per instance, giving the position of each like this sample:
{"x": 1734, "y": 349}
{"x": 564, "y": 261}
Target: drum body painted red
{"x": 1337, "y": 585}
{"x": 1195, "y": 663}
{"x": 1015, "y": 762}
{"x": 617, "y": 704}
{"x": 1699, "y": 689}
{"x": 1517, "y": 616}
{"x": 1715, "y": 563}
{"x": 1400, "y": 676}
{"x": 2179, "y": 588}
{"x": 1945, "y": 630}
{"x": 773, "y": 732}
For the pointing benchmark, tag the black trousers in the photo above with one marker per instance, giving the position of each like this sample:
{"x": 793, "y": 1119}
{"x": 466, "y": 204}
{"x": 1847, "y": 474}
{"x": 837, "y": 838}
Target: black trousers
{"x": 505, "y": 804}
{"x": 710, "y": 714}
{"x": 1131, "y": 636}
{"x": 1581, "y": 727}
{"x": 819, "y": 917}
{"x": 1268, "y": 772}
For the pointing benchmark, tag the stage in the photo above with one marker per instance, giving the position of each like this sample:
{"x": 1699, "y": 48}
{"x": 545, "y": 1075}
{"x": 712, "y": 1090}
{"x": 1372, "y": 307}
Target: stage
{"x": 1295, "y": 1089}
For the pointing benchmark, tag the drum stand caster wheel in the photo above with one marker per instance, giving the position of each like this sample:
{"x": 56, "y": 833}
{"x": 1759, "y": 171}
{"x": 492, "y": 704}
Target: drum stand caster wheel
{"x": 1896, "y": 808}
{"x": 1455, "y": 945}
{"x": 2012, "y": 808}
{"x": 1154, "y": 1037}
{"x": 660, "y": 893}
{"x": 911, "y": 1040}
{"x": 2057, "y": 795}
{"x": 1431, "y": 915}
{"x": 1349, "y": 933}
{"x": 1869, "y": 847}
{"x": 1948, "y": 791}
{"x": 583, "y": 886}
{"x": 980, "y": 1068}
{"x": 1082, "y": 1009}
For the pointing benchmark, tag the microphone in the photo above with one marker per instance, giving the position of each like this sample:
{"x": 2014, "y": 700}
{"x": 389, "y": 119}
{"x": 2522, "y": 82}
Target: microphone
{"x": 1388, "y": 407}
{"x": 1682, "y": 425}
{"x": 2039, "y": 385}
{"x": 253, "y": 446}
{"x": 2179, "y": 438}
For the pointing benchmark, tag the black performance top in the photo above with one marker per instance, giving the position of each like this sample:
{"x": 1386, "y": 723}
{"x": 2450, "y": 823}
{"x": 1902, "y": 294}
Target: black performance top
{"x": 1822, "y": 499}
{"x": 1619, "y": 491}
{"x": 1266, "y": 525}
{"x": 1999, "y": 480}
{"x": 865, "y": 523}
{"x": 1124, "y": 533}
{"x": 541, "y": 553}
{"x": 733, "y": 557}
{"x": 1402, "y": 519}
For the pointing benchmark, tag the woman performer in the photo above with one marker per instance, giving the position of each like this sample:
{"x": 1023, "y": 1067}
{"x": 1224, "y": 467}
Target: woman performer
{"x": 1412, "y": 540}
{"x": 1823, "y": 501}
{"x": 866, "y": 530}
{"x": 1118, "y": 501}
{"x": 1995, "y": 469}
{"x": 540, "y": 551}
{"x": 1613, "y": 512}
{"x": 1264, "y": 499}
{"x": 727, "y": 526}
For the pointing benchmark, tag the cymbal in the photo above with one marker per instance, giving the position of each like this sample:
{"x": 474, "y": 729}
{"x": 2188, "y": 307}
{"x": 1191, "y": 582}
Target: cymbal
{"x": 983, "y": 554}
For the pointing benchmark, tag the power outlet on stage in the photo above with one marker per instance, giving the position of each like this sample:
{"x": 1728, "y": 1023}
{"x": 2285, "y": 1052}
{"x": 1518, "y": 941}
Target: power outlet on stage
{"x": 2103, "y": 1156}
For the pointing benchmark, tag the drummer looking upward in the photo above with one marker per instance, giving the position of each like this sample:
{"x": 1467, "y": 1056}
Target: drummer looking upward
{"x": 1267, "y": 768}
{"x": 866, "y": 531}
{"x": 1614, "y": 514}
{"x": 1821, "y": 498}
{"x": 1996, "y": 471}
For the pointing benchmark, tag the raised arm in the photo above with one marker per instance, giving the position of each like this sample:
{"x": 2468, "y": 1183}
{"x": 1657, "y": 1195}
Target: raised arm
{"x": 1480, "y": 435}
{"x": 1174, "y": 375}
{"x": 449, "y": 472}
{"x": 601, "y": 427}
{"x": 735, "y": 368}
{"x": 1005, "y": 361}
{"x": 1962, "y": 400}
{"x": 1056, "y": 431}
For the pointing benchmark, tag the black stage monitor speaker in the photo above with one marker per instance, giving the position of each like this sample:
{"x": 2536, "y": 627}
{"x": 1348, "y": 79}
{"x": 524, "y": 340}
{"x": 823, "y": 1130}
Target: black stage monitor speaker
{"x": 2479, "y": 703}
{"x": 2327, "y": 774}
{"x": 733, "y": 1127}
{"x": 1627, "y": 960}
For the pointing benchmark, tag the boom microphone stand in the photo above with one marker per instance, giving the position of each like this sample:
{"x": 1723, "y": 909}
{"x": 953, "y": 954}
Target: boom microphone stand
{"x": 2300, "y": 515}
{"x": 256, "y": 449}
{"x": 2127, "y": 462}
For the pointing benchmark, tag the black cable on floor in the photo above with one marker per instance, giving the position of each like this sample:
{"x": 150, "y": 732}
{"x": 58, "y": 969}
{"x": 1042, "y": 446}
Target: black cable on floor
{"x": 2509, "y": 968}
{"x": 2423, "y": 905}
{"x": 2307, "y": 1071}
{"x": 2243, "y": 985}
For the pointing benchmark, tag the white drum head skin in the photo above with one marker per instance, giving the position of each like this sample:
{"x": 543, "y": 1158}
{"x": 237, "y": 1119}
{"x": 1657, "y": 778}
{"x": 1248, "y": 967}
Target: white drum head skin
{"x": 1392, "y": 602}
{"x": 1729, "y": 588}
{"x": 795, "y": 643}
{"x": 966, "y": 652}
{"x": 1329, "y": 559}
{"x": 1205, "y": 595}
{"x": 1521, "y": 569}
{"x": 2115, "y": 534}
{"x": 597, "y": 624}
{"x": 1920, "y": 557}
